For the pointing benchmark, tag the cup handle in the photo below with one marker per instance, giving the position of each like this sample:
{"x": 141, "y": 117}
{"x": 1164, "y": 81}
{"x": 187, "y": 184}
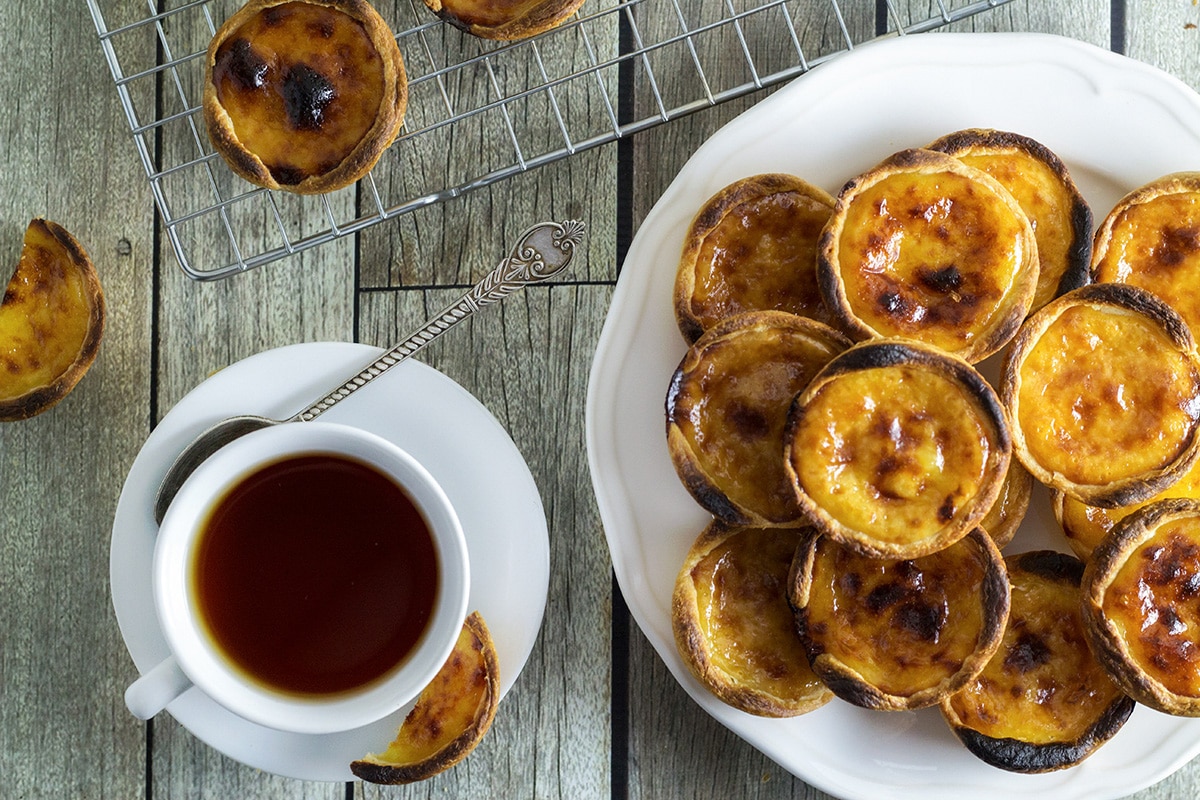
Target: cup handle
{"x": 151, "y": 693}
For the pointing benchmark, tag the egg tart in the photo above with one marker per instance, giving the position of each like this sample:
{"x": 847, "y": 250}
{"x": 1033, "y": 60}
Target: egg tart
{"x": 896, "y": 635}
{"x": 1041, "y": 184}
{"x": 752, "y": 247}
{"x": 504, "y": 19}
{"x": 1103, "y": 389}
{"x": 727, "y": 406}
{"x": 1141, "y": 605}
{"x": 1086, "y": 526}
{"x": 733, "y": 625}
{"x": 926, "y": 247}
{"x": 1151, "y": 239}
{"x": 51, "y": 322}
{"x": 1005, "y": 515}
{"x": 303, "y": 95}
{"x": 1043, "y": 702}
{"x": 896, "y": 449}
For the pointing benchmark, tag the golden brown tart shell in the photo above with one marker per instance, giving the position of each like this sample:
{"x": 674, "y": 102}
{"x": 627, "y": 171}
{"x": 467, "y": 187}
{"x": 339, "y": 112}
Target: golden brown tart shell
{"x": 451, "y": 716}
{"x": 51, "y": 322}
{"x": 727, "y": 405}
{"x": 1151, "y": 239}
{"x": 1141, "y": 605}
{"x": 895, "y": 635}
{"x": 1103, "y": 389}
{"x": 1041, "y": 184}
{"x": 1005, "y": 516}
{"x": 733, "y": 625}
{"x": 303, "y": 95}
{"x": 752, "y": 247}
{"x": 505, "y": 20}
{"x": 896, "y": 449}
{"x": 1043, "y": 702}
{"x": 924, "y": 247}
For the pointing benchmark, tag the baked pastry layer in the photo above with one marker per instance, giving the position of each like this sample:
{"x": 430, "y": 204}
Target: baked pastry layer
{"x": 504, "y": 19}
{"x": 727, "y": 405}
{"x": 927, "y": 248}
{"x": 1151, "y": 239}
{"x": 1041, "y": 184}
{"x": 304, "y": 95}
{"x": 733, "y": 625}
{"x": 895, "y": 634}
{"x": 896, "y": 449}
{"x": 1103, "y": 389}
{"x": 752, "y": 247}
{"x": 1043, "y": 702}
{"x": 1141, "y": 605}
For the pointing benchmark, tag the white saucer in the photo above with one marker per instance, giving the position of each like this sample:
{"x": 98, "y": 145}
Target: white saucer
{"x": 418, "y": 408}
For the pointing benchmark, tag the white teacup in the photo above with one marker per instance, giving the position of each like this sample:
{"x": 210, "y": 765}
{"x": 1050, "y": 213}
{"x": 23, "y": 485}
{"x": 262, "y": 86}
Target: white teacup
{"x": 185, "y": 603}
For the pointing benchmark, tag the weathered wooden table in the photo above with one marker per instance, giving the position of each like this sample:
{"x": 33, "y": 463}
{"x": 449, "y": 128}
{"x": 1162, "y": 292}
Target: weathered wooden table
{"x": 595, "y": 714}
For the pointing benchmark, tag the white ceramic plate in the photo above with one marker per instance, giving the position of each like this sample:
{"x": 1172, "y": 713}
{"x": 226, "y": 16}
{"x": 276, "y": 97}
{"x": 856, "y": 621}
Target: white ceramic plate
{"x": 414, "y": 406}
{"x": 1115, "y": 122}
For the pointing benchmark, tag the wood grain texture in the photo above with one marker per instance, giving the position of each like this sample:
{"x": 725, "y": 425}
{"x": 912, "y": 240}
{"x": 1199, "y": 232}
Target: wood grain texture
{"x": 62, "y": 665}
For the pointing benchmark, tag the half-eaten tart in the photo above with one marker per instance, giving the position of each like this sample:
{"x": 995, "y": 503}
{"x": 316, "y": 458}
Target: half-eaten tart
{"x": 896, "y": 449}
{"x": 1041, "y": 184}
{"x": 895, "y": 635}
{"x": 304, "y": 95}
{"x": 1086, "y": 526}
{"x": 505, "y": 20}
{"x": 752, "y": 247}
{"x": 1102, "y": 387}
{"x": 925, "y": 247}
{"x": 1141, "y": 605}
{"x": 1151, "y": 239}
{"x": 727, "y": 406}
{"x": 1043, "y": 702}
{"x": 51, "y": 322}
{"x": 733, "y": 625}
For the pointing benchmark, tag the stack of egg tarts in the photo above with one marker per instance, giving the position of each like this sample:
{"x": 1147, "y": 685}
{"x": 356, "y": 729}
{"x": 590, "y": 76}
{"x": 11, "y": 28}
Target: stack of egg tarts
{"x": 862, "y": 474}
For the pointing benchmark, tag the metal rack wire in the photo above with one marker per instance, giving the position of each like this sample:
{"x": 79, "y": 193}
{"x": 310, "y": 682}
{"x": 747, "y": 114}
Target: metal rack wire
{"x": 483, "y": 111}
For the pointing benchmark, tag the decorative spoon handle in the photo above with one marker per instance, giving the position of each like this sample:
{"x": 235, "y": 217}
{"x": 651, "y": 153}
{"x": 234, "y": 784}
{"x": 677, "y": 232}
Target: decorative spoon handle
{"x": 542, "y": 251}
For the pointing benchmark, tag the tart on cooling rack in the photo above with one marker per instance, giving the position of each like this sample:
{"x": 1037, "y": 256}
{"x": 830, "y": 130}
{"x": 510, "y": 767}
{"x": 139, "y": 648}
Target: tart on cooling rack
{"x": 896, "y": 449}
{"x": 1043, "y": 702}
{"x": 504, "y": 19}
{"x": 733, "y": 625}
{"x": 1151, "y": 239}
{"x": 727, "y": 405}
{"x": 1086, "y": 526}
{"x": 752, "y": 247}
{"x": 1041, "y": 184}
{"x": 304, "y": 95}
{"x": 1141, "y": 605}
{"x": 925, "y": 247}
{"x": 1103, "y": 389}
{"x": 895, "y": 635}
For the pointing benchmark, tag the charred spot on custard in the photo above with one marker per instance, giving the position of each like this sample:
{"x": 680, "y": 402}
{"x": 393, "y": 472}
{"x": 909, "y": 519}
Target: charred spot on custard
{"x": 924, "y": 621}
{"x": 893, "y": 303}
{"x": 885, "y": 596}
{"x": 749, "y": 422}
{"x": 946, "y": 280}
{"x": 275, "y": 16}
{"x": 1176, "y": 245}
{"x": 946, "y": 510}
{"x": 248, "y": 68}
{"x": 306, "y": 94}
{"x": 1027, "y": 653}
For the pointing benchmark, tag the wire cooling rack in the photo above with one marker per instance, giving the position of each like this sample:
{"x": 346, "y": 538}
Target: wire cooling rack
{"x": 479, "y": 112}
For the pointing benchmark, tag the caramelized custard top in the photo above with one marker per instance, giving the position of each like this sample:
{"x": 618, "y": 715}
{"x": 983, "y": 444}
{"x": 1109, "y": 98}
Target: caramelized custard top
{"x": 1154, "y": 603}
{"x": 904, "y": 626}
{"x": 762, "y": 255}
{"x": 1156, "y": 246}
{"x": 302, "y": 84}
{"x": 931, "y": 256}
{"x": 1105, "y": 395}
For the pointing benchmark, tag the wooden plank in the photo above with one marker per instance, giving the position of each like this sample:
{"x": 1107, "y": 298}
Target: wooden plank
{"x": 64, "y": 731}
{"x": 527, "y": 361}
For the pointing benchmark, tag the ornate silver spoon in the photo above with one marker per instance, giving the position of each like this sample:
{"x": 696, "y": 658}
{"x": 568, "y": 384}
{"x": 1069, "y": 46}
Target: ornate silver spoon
{"x": 541, "y": 251}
